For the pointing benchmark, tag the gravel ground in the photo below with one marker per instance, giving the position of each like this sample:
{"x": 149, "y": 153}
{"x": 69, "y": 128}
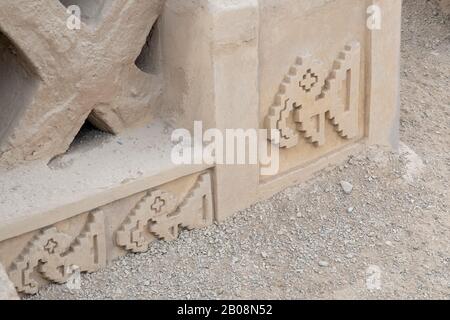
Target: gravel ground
{"x": 386, "y": 238}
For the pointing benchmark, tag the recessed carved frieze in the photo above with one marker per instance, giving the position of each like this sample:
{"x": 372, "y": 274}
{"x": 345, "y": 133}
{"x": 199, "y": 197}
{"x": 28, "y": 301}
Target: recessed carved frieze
{"x": 195, "y": 212}
{"x": 158, "y": 216}
{"x": 308, "y": 97}
{"x": 55, "y": 255}
{"x": 134, "y": 235}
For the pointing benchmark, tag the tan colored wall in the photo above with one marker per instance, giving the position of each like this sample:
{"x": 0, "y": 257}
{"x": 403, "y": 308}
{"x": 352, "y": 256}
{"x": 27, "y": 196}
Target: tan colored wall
{"x": 7, "y": 291}
{"x": 305, "y": 30}
{"x": 311, "y": 70}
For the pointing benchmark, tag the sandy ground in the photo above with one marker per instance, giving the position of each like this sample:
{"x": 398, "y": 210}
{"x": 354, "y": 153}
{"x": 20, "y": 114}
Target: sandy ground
{"x": 388, "y": 238}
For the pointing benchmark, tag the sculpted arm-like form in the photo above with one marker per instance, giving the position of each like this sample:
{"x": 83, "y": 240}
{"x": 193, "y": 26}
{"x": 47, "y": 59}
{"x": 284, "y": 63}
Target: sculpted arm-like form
{"x": 70, "y": 75}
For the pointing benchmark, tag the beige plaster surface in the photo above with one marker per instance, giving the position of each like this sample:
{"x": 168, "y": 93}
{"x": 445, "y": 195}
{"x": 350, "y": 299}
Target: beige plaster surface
{"x": 89, "y": 241}
{"x": 136, "y": 71}
{"x": 99, "y": 171}
{"x": 7, "y": 291}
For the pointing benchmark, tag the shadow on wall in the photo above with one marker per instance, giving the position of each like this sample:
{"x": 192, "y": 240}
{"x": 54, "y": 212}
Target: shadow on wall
{"x": 148, "y": 59}
{"x": 18, "y": 83}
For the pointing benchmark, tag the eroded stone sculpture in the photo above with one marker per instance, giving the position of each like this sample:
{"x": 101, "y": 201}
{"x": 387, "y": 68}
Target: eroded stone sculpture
{"x": 77, "y": 74}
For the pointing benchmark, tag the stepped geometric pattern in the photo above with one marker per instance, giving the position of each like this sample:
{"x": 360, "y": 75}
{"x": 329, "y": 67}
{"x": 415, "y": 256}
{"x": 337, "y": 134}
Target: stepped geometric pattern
{"x": 307, "y": 98}
{"x": 134, "y": 235}
{"x": 55, "y": 256}
{"x": 195, "y": 212}
{"x": 156, "y": 216}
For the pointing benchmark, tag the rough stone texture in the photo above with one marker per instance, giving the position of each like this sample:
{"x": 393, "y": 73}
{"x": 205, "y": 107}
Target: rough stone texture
{"x": 7, "y": 291}
{"x": 400, "y": 220}
{"x": 60, "y": 77}
{"x": 250, "y": 64}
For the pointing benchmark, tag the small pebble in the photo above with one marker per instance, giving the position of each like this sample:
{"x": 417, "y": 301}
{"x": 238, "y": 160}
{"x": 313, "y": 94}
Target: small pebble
{"x": 347, "y": 187}
{"x": 324, "y": 264}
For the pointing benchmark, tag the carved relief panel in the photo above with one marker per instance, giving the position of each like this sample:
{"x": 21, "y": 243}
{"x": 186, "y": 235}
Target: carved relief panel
{"x": 55, "y": 255}
{"x": 87, "y": 242}
{"x": 158, "y": 216}
{"x": 310, "y": 97}
{"x": 312, "y": 78}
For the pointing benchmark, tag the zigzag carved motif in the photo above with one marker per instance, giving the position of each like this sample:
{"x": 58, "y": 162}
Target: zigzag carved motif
{"x": 133, "y": 235}
{"x": 307, "y": 97}
{"x": 158, "y": 216}
{"x": 54, "y": 255}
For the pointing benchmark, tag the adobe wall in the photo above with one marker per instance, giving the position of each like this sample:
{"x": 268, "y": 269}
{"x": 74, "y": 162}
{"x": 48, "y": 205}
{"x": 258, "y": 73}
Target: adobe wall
{"x": 86, "y": 173}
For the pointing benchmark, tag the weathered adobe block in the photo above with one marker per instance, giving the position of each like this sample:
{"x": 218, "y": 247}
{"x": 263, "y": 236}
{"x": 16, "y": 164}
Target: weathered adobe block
{"x": 310, "y": 69}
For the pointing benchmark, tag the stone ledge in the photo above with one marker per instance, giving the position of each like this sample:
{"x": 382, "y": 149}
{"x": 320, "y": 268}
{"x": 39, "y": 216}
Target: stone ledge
{"x": 86, "y": 242}
{"x": 218, "y": 61}
{"x": 35, "y": 196}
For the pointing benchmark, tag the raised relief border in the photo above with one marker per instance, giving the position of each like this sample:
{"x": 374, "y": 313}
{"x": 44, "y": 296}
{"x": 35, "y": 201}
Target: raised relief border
{"x": 307, "y": 97}
{"x": 157, "y": 216}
